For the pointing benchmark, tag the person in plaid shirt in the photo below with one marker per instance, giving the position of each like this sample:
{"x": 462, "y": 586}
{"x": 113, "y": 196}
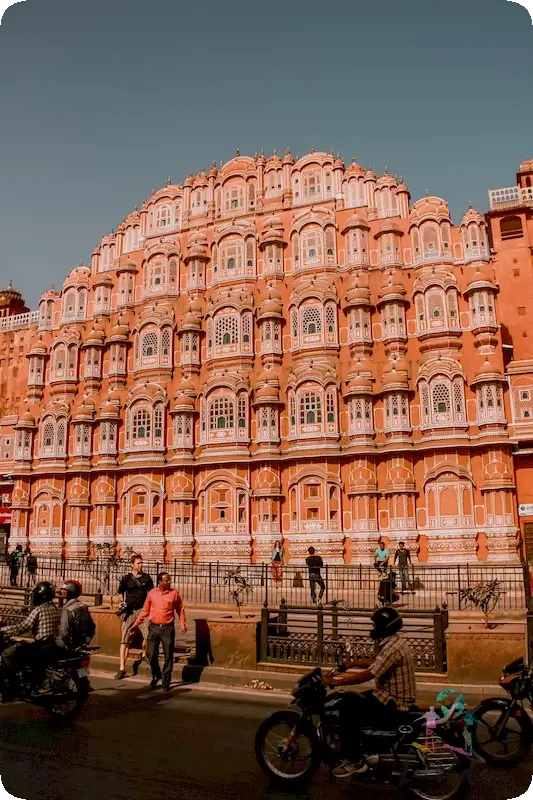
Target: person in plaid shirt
{"x": 43, "y": 623}
{"x": 394, "y": 674}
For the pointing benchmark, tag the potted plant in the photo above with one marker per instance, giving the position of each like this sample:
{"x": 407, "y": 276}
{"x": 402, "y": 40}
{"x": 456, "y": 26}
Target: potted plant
{"x": 239, "y": 588}
{"x": 103, "y": 567}
{"x": 484, "y": 596}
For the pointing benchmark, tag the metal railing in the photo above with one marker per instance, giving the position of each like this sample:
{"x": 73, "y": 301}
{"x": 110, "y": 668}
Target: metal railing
{"x": 325, "y": 636}
{"x": 355, "y": 586}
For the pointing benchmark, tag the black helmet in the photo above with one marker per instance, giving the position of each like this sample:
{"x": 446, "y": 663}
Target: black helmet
{"x": 72, "y": 588}
{"x": 386, "y": 622}
{"x": 44, "y": 592}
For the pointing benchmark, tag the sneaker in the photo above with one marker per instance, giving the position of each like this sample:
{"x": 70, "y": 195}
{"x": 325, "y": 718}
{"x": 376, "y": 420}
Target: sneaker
{"x": 166, "y": 687}
{"x": 154, "y": 682}
{"x": 46, "y": 688}
{"x": 121, "y": 674}
{"x": 348, "y": 768}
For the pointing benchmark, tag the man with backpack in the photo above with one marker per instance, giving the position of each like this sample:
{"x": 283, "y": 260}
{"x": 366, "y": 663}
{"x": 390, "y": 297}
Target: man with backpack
{"x": 76, "y": 627}
{"x": 15, "y": 563}
{"x": 31, "y": 568}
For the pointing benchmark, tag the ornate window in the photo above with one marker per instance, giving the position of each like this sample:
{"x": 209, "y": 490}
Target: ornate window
{"x": 396, "y": 412}
{"x": 234, "y": 199}
{"x": 145, "y": 427}
{"x": 442, "y": 402}
{"x": 393, "y": 320}
{"x": 232, "y": 334}
{"x": 312, "y": 247}
{"x": 107, "y": 257}
{"x": 310, "y": 409}
{"x": 183, "y": 431}
{"x": 359, "y": 327}
{"x": 482, "y": 308}
{"x": 490, "y": 403}
{"x": 271, "y": 336}
{"x": 93, "y": 360}
{"x": 221, "y": 414}
{"x": 312, "y": 185}
{"x": 126, "y": 284}
{"x": 357, "y": 247}
{"x": 108, "y": 438}
{"x": 131, "y": 239}
{"x": 523, "y": 404}
{"x": 160, "y": 276}
{"x": 82, "y": 444}
{"x": 53, "y": 437}
{"x": 46, "y": 318}
{"x": 318, "y": 325}
{"x": 153, "y": 348}
{"x": 102, "y": 301}
{"x": 230, "y": 263}
{"x": 360, "y": 415}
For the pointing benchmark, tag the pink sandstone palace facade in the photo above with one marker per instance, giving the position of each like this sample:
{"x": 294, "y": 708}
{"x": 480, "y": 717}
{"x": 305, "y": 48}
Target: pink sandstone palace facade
{"x": 277, "y": 349}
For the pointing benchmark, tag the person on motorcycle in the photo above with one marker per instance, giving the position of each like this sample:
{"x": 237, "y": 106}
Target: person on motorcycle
{"x": 76, "y": 626}
{"x": 43, "y": 622}
{"x": 395, "y": 688}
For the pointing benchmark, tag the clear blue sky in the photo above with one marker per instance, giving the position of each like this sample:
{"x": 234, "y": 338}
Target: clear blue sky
{"x": 101, "y": 100}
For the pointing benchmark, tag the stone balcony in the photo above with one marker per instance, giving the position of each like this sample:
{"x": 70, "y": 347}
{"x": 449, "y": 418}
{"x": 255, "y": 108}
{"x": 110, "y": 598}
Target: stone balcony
{"x": 510, "y": 197}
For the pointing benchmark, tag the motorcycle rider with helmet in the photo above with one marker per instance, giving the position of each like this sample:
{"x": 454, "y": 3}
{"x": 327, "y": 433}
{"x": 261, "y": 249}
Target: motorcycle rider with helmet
{"x": 76, "y": 626}
{"x": 43, "y": 622}
{"x": 395, "y": 687}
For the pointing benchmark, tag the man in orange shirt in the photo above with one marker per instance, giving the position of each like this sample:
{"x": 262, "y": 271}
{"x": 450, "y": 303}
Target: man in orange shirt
{"x": 160, "y": 606}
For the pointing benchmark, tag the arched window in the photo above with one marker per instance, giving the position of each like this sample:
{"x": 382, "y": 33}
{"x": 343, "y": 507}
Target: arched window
{"x": 142, "y": 424}
{"x": 149, "y": 350}
{"x": 312, "y": 246}
{"x": 441, "y": 398}
{"x": 511, "y": 227}
{"x": 221, "y": 413}
{"x": 226, "y": 329}
{"x": 311, "y": 320}
{"x": 48, "y": 436}
{"x": 310, "y": 408}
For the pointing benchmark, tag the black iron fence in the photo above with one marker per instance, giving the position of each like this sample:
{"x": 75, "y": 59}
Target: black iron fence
{"x": 309, "y": 637}
{"x": 356, "y": 586}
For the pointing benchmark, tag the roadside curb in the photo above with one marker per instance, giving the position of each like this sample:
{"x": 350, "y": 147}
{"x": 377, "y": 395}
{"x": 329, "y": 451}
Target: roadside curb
{"x": 281, "y": 683}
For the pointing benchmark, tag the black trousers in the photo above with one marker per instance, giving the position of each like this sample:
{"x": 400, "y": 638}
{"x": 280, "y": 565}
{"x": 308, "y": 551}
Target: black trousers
{"x": 13, "y": 575}
{"x": 37, "y": 655}
{"x": 360, "y": 710}
{"x": 313, "y": 582}
{"x": 165, "y": 635}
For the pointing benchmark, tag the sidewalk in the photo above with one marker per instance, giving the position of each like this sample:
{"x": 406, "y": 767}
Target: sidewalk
{"x": 283, "y": 682}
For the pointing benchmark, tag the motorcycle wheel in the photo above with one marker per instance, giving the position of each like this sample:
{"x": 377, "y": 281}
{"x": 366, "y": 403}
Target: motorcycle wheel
{"x": 456, "y": 781}
{"x": 63, "y": 711}
{"x": 512, "y": 745}
{"x": 300, "y": 760}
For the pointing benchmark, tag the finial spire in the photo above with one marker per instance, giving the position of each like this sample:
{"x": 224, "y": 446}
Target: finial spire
{"x": 169, "y": 180}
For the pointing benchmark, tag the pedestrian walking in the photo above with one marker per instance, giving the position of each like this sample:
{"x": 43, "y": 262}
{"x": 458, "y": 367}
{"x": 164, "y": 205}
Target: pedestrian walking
{"x": 134, "y": 588}
{"x": 160, "y": 608}
{"x": 277, "y": 559}
{"x": 15, "y": 563}
{"x": 403, "y": 557}
{"x": 314, "y": 564}
{"x": 381, "y": 559}
{"x": 31, "y": 568}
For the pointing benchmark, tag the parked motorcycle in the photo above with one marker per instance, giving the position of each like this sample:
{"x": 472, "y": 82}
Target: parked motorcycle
{"x": 291, "y": 745}
{"x": 503, "y": 731}
{"x": 69, "y": 679}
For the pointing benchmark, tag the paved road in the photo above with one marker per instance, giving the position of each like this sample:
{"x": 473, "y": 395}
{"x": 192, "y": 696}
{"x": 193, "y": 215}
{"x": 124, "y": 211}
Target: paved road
{"x": 195, "y": 743}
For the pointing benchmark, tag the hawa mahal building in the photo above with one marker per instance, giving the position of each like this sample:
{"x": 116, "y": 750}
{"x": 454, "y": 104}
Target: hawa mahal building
{"x": 278, "y": 349}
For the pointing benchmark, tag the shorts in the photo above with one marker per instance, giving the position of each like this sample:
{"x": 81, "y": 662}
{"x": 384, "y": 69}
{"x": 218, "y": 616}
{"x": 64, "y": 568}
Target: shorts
{"x": 125, "y": 636}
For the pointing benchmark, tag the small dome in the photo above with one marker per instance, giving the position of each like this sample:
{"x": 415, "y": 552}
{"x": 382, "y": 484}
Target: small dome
{"x": 26, "y": 420}
{"x": 108, "y": 409}
{"x": 187, "y": 386}
{"x": 103, "y": 280}
{"x": 370, "y": 175}
{"x": 359, "y": 384}
{"x": 472, "y": 215}
{"x": 385, "y": 180}
{"x": 95, "y": 337}
{"x": 355, "y": 221}
{"x": 183, "y": 401}
{"x": 38, "y": 349}
{"x": 213, "y": 172}
{"x": 487, "y": 372}
{"x": 288, "y": 157}
{"x": 392, "y": 286}
{"x": 267, "y": 392}
{"x": 274, "y": 160}
{"x": 429, "y": 208}
{"x": 268, "y": 376}
{"x": 394, "y": 375}
{"x": 354, "y": 168}
{"x": 189, "y": 180}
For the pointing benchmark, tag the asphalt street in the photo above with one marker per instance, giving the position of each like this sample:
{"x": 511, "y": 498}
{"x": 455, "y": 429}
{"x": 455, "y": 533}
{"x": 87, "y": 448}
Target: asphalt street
{"x": 196, "y": 742}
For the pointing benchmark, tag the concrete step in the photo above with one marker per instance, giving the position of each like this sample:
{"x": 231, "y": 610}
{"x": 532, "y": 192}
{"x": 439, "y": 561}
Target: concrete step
{"x": 428, "y": 686}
